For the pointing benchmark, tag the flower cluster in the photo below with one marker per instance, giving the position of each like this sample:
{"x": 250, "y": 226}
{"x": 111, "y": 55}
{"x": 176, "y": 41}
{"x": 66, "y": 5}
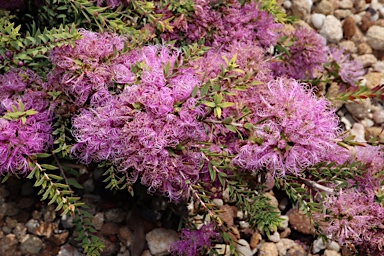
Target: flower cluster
{"x": 306, "y": 55}
{"x": 223, "y": 24}
{"x": 143, "y": 129}
{"x": 192, "y": 242}
{"x": 25, "y": 121}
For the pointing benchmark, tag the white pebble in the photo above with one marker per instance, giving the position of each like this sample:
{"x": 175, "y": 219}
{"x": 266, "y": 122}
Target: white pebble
{"x": 333, "y": 246}
{"x": 287, "y": 4}
{"x": 274, "y": 237}
{"x": 317, "y": 20}
{"x": 318, "y": 245}
{"x": 244, "y": 224}
{"x": 218, "y": 202}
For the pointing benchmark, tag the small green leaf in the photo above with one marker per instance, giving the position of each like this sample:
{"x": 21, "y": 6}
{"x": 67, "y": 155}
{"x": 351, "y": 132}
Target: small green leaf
{"x": 49, "y": 167}
{"x": 74, "y": 183}
{"x": 209, "y": 104}
{"x": 231, "y": 128}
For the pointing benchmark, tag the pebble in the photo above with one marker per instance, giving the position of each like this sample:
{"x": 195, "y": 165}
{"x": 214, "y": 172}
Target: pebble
{"x": 255, "y": 240}
{"x": 318, "y": 245}
{"x": 243, "y": 224}
{"x": 296, "y": 250}
{"x": 366, "y": 122}
{"x": 274, "y": 237}
{"x": 317, "y": 20}
{"x": 67, "y": 221}
{"x": 378, "y": 116}
{"x": 45, "y": 229}
{"x": 331, "y": 253}
{"x": 367, "y": 60}
{"x": 31, "y": 225}
{"x": 98, "y": 220}
{"x": 342, "y": 14}
{"x": 324, "y": 7}
{"x": 349, "y": 28}
{"x": 146, "y": 253}
{"x": 346, "y": 122}
{"x": 359, "y": 131}
{"x": 300, "y": 222}
{"x": 125, "y": 235}
{"x": 286, "y": 233}
{"x": 284, "y": 223}
{"x": 287, "y": 4}
{"x": 376, "y": 132}
{"x": 68, "y": 250}
{"x": 375, "y": 37}
{"x": 302, "y": 9}
{"x": 226, "y": 215}
{"x": 59, "y": 238}
{"x": 160, "y": 239}
{"x": 345, "y": 4}
{"x": 243, "y": 248}
{"x": 223, "y": 249}
{"x": 364, "y": 48}
{"x": 284, "y": 245}
{"x": 8, "y": 245}
{"x": 31, "y": 244}
{"x": 359, "y": 110}
{"x": 373, "y": 79}
{"x": 334, "y": 246}
{"x": 49, "y": 213}
{"x": 9, "y": 209}
{"x": 109, "y": 228}
{"x": 218, "y": 202}
{"x": 272, "y": 200}
{"x": 20, "y": 230}
{"x": 332, "y": 29}
{"x": 268, "y": 249}
{"x": 115, "y": 215}
{"x": 349, "y": 46}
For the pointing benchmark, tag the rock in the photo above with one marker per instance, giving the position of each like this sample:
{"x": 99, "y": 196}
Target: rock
{"x": 274, "y": 237}
{"x": 31, "y": 225}
{"x": 302, "y": 9}
{"x": 218, "y": 202}
{"x": 146, "y": 253}
{"x": 109, "y": 228}
{"x": 359, "y": 110}
{"x": 31, "y": 244}
{"x": 334, "y": 246}
{"x": 300, "y": 222}
{"x": 272, "y": 200}
{"x": 374, "y": 132}
{"x": 345, "y": 4}
{"x": 284, "y": 245}
{"x": 286, "y": 233}
{"x": 98, "y": 220}
{"x": 111, "y": 247}
{"x": 125, "y": 235}
{"x": 159, "y": 240}
{"x": 255, "y": 240}
{"x": 20, "y": 230}
{"x": 375, "y": 37}
{"x": 364, "y": 48}
{"x": 69, "y": 250}
{"x": 317, "y": 20}
{"x": 332, "y": 29}
{"x": 243, "y": 248}
{"x": 346, "y": 122}
{"x": 359, "y": 131}
{"x": 331, "y": 253}
{"x": 287, "y": 4}
{"x": 296, "y": 250}
{"x": 45, "y": 229}
{"x": 367, "y": 60}
{"x": 366, "y": 122}
{"x": 324, "y": 7}
{"x": 349, "y": 28}
{"x": 373, "y": 79}
{"x": 226, "y": 215}
{"x": 268, "y": 249}
{"x": 9, "y": 209}
{"x": 115, "y": 215}
{"x": 379, "y": 66}
{"x": 243, "y": 224}
{"x": 378, "y": 116}
{"x": 49, "y": 213}
{"x": 342, "y": 14}
{"x": 8, "y": 245}
{"x": 223, "y": 249}
{"x": 349, "y": 46}
{"x": 318, "y": 245}
{"x": 234, "y": 233}
{"x": 59, "y": 238}
{"x": 284, "y": 223}
{"x": 67, "y": 221}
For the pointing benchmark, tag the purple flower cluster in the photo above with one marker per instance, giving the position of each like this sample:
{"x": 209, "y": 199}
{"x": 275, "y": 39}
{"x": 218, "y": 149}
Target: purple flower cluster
{"x": 293, "y": 129}
{"x": 348, "y": 71}
{"x": 81, "y": 70}
{"x": 354, "y": 217}
{"x": 307, "y": 55}
{"x": 20, "y": 139}
{"x": 192, "y": 242}
{"x": 225, "y": 24}
{"x": 145, "y": 129}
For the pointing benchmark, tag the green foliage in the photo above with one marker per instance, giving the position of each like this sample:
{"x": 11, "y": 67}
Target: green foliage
{"x": 271, "y": 7}
{"x": 19, "y": 113}
{"x": 63, "y": 140}
{"x": 19, "y": 50}
{"x": 116, "y": 180}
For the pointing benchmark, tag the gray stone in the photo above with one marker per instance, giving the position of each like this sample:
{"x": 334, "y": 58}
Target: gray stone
{"x": 49, "y": 213}
{"x": 98, "y": 220}
{"x": 115, "y": 215}
{"x": 125, "y": 235}
{"x": 342, "y": 14}
{"x": 160, "y": 239}
{"x": 8, "y": 245}
{"x": 68, "y": 250}
{"x": 31, "y": 225}
{"x": 243, "y": 248}
{"x": 31, "y": 244}
{"x": 317, "y": 20}
{"x": 218, "y": 202}
{"x": 318, "y": 245}
{"x": 375, "y": 37}
{"x": 359, "y": 132}
{"x": 274, "y": 237}
{"x": 67, "y": 221}
{"x": 324, "y": 7}
{"x": 359, "y": 110}
{"x": 378, "y": 116}
{"x": 332, "y": 29}
{"x": 9, "y": 209}
{"x": 20, "y": 230}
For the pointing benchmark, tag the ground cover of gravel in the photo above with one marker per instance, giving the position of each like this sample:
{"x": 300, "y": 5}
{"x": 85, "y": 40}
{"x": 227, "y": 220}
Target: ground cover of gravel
{"x": 31, "y": 227}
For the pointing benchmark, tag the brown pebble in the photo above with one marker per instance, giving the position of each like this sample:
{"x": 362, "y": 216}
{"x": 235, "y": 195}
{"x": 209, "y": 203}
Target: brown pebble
{"x": 109, "y": 228}
{"x": 300, "y": 222}
{"x": 226, "y": 215}
{"x": 296, "y": 250}
{"x": 285, "y": 233}
{"x": 255, "y": 240}
{"x": 349, "y": 27}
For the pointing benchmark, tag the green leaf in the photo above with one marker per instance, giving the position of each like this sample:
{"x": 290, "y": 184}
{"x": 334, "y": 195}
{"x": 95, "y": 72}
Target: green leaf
{"x": 49, "y": 167}
{"x": 248, "y": 126}
{"x": 227, "y": 120}
{"x": 217, "y": 112}
{"x": 74, "y": 183}
{"x": 194, "y": 91}
{"x": 231, "y": 128}
{"x": 226, "y": 104}
{"x": 209, "y": 104}
{"x": 212, "y": 172}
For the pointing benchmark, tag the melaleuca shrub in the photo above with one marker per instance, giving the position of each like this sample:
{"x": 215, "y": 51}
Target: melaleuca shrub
{"x": 146, "y": 130}
{"x": 81, "y": 70}
{"x": 25, "y": 120}
{"x": 221, "y": 24}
